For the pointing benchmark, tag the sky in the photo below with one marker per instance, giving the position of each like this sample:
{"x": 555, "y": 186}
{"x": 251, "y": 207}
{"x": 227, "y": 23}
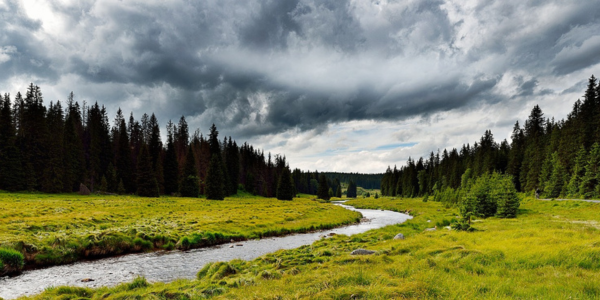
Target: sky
{"x": 334, "y": 85}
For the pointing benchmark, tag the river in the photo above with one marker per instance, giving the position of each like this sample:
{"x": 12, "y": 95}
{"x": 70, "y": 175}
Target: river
{"x": 166, "y": 266}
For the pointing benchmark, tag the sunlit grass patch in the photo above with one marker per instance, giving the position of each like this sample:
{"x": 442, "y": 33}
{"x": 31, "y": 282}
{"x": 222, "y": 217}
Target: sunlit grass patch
{"x": 550, "y": 251}
{"x": 57, "y": 229}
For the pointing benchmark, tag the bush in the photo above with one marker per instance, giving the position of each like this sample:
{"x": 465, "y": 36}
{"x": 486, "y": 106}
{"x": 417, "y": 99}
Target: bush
{"x": 11, "y": 260}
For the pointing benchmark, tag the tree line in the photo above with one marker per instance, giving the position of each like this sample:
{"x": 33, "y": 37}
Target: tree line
{"x": 57, "y": 149}
{"x": 553, "y": 158}
{"x": 366, "y": 181}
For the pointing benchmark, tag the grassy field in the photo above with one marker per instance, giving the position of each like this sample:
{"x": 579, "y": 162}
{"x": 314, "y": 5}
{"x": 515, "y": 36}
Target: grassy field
{"x": 56, "y": 229}
{"x": 551, "y": 251}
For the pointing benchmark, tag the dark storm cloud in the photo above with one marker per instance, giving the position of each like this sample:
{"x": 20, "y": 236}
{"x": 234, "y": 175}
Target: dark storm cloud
{"x": 258, "y": 67}
{"x": 526, "y": 87}
{"x": 17, "y": 40}
{"x": 272, "y": 25}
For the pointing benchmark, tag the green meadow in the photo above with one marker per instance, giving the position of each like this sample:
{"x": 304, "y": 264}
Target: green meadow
{"x": 57, "y": 229}
{"x": 551, "y": 251}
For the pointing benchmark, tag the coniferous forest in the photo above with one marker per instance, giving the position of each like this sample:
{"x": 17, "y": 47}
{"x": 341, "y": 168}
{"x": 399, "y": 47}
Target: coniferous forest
{"x": 60, "y": 148}
{"x": 553, "y": 158}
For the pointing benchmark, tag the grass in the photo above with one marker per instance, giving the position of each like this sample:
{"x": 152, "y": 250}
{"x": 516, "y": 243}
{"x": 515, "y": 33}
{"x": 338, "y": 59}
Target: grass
{"x": 551, "y": 251}
{"x": 57, "y": 229}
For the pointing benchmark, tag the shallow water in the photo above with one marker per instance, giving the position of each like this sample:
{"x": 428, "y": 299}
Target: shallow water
{"x": 168, "y": 266}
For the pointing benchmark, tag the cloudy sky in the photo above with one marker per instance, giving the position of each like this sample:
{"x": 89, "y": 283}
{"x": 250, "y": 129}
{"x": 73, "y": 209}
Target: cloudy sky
{"x": 334, "y": 85}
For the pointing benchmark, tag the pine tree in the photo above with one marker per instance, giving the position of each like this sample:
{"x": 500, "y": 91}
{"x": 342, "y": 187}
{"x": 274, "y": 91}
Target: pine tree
{"x": 74, "y": 154}
{"x": 323, "y": 189}
{"x": 111, "y": 179}
{"x": 351, "y": 191}
{"x": 171, "y": 167}
{"x": 52, "y": 178}
{"x": 214, "y": 180}
{"x": 13, "y": 175}
{"x": 338, "y": 191}
{"x": 9, "y": 158}
{"x": 123, "y": 157}
{"x": 154, "y": 142}
{"x": 189, "y": 184}
{"x": 578, "y": 173}
{"x": 103, "y": 185}
{"x": 480, "y": 194}
{"x": 556, "y": 182}
{"x": 534, "y": 150}
{"x": 233, "y": 166}
{"x": 590, "y": 179}
{"x": 285, "y": 188}
{"x": 159, "y": 173}
{"x": 147, "y": 186}
{"x": 505, "y": 196}
{"x": 589, "y": 114}
{"x": 121, "y": 188}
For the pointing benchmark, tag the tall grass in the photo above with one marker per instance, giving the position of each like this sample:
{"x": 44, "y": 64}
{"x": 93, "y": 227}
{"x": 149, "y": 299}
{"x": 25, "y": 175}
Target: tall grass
{"x": 11, "y": 261}
{"x": 59, "y": 229}
{"x": 550, "y": 251}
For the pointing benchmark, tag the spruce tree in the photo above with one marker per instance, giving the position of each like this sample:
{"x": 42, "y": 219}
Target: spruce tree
{"x": 159, "y": 173}
{"x": 123, "y": 157}
{"x": 13, "y": 175}
{"x": 74, "y": 155}
{"x": 351, "y": 192}
{"x": 121, "y": 188}
{"x": 285, "y": 188}
{"x": 534, "y": 150}
{"x": 154, "y": 142}
{"x": 323, "y": 189}
{"x": 215, "y": 178}
{"x": 486, "y": 206}
{"x": 556, "y": 183}
{"x": 338, "y": 191}
{"x": 103, "y": 185}
{"x": 589, "y": 181}
{"x": 171, "y": 168}
{"x": 189, "y": 184}
{"x": 111, "y": 179}
{"x": 578, "y": 173}
{"x": 147, "y": 186}
{"x": 505, "y": 196}
{"x": 215, "y": 187}
{"x": 52, "y": 178}
{"x": 233, "y": 166}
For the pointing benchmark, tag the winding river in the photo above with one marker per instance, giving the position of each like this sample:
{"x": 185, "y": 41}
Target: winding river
{"x": 168, "y": 266}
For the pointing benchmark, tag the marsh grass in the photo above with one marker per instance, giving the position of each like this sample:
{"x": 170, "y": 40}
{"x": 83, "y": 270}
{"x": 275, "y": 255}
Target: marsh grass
{"x": 550, "y": 251}
{"x": 57, "y": 229}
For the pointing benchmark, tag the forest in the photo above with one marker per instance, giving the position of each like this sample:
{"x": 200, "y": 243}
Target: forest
{"x": 552, "y": 158}
{"x": 58, "y": 149}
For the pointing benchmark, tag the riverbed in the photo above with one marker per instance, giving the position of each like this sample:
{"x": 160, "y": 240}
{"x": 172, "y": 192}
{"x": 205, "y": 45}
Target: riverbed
{"x": 166, "y": 266}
